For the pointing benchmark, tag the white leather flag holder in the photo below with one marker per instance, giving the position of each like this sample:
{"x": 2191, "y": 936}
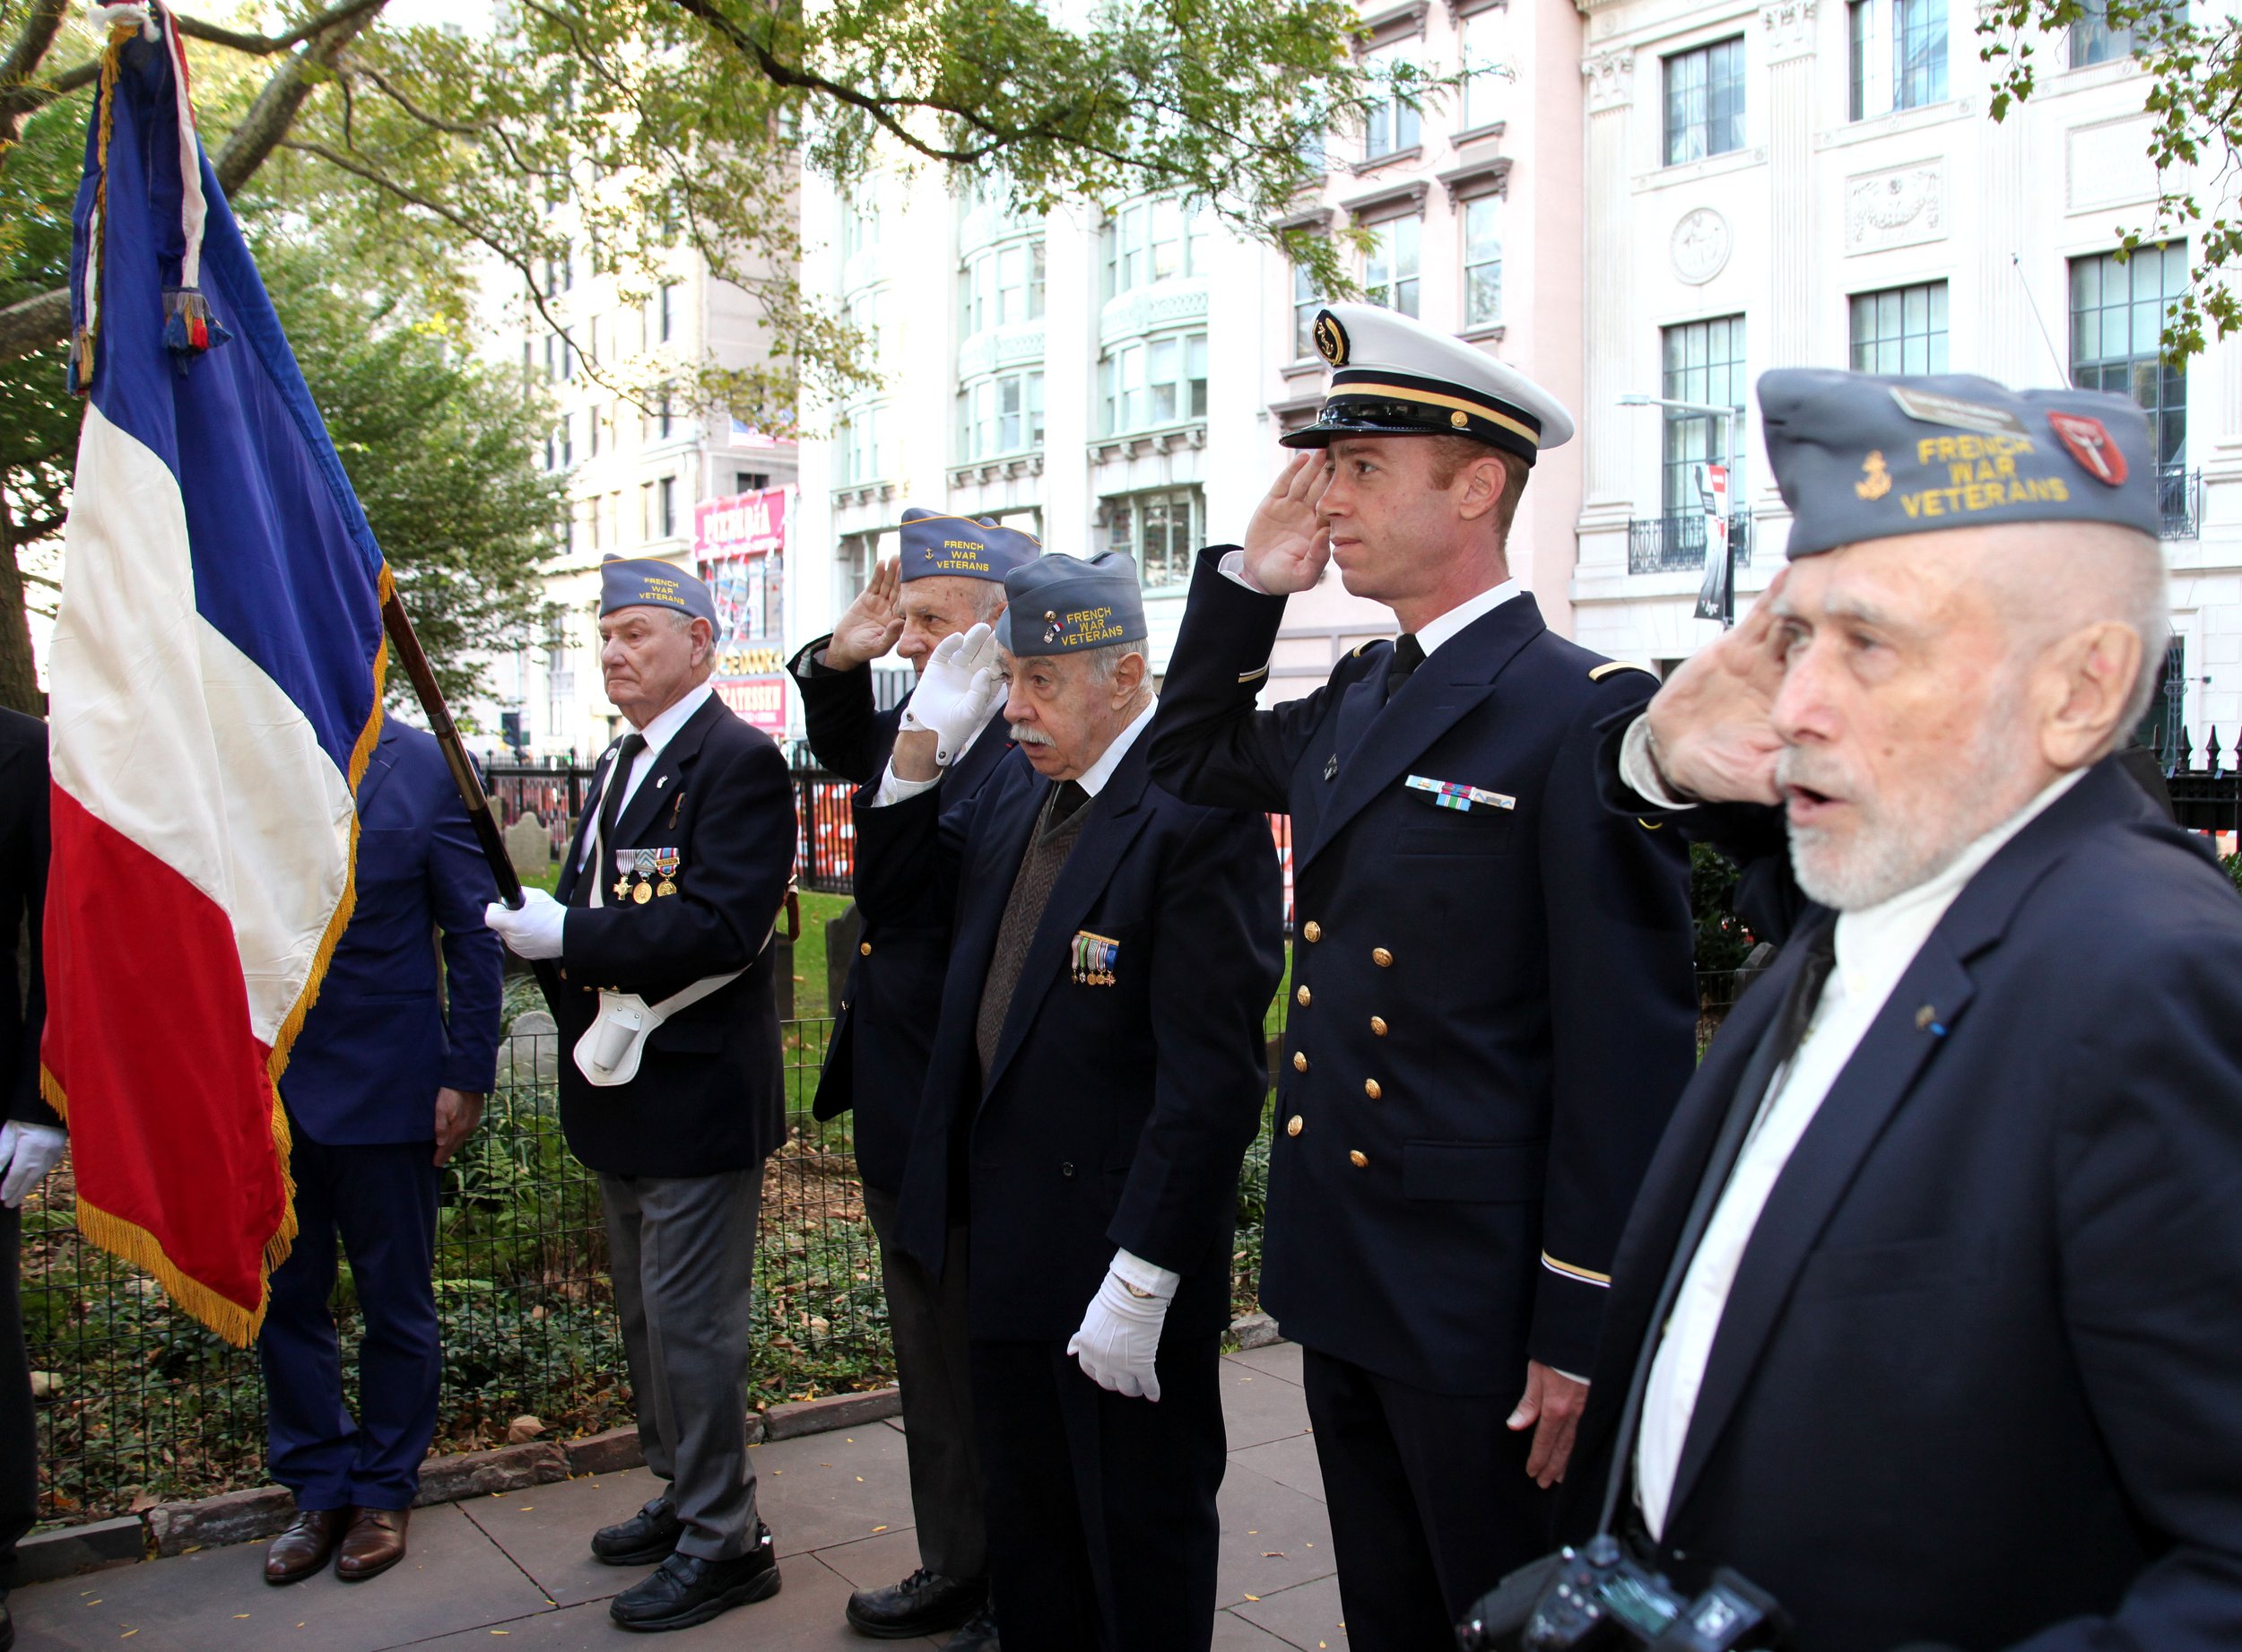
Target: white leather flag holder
{"x": 608, "y": 1051}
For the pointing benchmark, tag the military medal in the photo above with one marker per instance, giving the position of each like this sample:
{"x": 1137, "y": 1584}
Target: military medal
{"x": 1094, "y": 957}
{"x": 1456, "y": 795}
{"x": 666, "y": 862}
{"x": 625, "y": 860}
{"x": 643, "y": 862}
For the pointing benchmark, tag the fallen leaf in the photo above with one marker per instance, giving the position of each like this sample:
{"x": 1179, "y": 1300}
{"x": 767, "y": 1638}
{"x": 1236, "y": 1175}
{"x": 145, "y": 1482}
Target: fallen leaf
{"x": 1272, "y": 1554}
{"x": 878, "y": 1529}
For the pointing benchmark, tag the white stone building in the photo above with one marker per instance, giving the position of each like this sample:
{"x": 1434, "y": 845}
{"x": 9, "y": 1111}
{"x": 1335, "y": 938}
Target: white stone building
{"x": 1808, "y": 182}
{"x": 636, "y": 477}
{"x": 1118, "y": 379}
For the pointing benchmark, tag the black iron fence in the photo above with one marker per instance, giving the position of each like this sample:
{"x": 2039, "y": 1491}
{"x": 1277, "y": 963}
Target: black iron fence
{"x": 2206, "y": 795}
{"x": 1674, "y": 542}
{"x": 2180, "y": 501}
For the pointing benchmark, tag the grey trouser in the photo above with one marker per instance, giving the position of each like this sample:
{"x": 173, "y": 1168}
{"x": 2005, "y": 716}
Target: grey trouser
{"x": 681, "y": 1251}
{"x": 934, "y": 1364}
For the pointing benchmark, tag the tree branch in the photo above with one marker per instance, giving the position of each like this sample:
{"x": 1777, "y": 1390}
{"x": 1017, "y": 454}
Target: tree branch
{"x": 265, "y": 46}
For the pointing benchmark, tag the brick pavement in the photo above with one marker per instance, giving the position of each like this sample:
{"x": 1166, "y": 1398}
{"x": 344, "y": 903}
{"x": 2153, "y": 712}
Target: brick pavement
{"x": 512, "y": 1571}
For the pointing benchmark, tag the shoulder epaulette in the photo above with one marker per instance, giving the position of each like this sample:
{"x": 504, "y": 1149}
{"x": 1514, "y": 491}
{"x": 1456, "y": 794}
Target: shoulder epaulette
{"x": 1597, "y": 673}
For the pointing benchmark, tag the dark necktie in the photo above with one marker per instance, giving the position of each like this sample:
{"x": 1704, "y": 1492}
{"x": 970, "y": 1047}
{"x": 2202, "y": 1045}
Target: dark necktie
{"x": 1408, "y": 655}
{"x": 618, "y": 782}
{"x": 1769, "y": 1061}
{"x": 1066, "y": 798}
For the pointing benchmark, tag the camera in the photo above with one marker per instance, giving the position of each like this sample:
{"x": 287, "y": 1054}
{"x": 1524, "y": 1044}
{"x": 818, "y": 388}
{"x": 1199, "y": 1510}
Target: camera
{"x": 1579, "y": 1600}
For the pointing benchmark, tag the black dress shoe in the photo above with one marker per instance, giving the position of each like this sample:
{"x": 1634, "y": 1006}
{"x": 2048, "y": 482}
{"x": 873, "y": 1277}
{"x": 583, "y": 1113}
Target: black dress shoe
{"x": 923, "y": 1604}
{"x": 645, "y": 1539}
{"x": 978, "y": 1633}
{"x": 685, "y": 1589}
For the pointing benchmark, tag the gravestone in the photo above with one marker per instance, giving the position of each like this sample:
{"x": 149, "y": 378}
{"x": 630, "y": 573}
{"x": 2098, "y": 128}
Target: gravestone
{"x": 842, "y": 936}
{"x": 529, "y": 845}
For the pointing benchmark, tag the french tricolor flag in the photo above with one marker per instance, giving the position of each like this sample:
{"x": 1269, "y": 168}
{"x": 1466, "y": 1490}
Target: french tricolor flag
{"x": 215, "y": 683}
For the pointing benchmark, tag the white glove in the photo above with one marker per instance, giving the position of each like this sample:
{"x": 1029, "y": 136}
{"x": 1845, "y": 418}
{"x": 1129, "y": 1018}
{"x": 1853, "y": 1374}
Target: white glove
{"x": 955, "y": 691}
{"x": 1120, "y": 1335}
{"x": 533, "y": 931}
{"x": 27, "y": 1152}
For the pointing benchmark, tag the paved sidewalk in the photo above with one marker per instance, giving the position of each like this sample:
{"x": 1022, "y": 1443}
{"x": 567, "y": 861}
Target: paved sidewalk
{"x": 516, "y": 1566}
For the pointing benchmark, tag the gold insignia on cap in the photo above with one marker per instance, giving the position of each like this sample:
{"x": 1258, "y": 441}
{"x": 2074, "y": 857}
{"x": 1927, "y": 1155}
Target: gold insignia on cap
{"x": 1331, "y": 339}
{"x": 1459, "y": 420}
{"x": 1875, "y": 480}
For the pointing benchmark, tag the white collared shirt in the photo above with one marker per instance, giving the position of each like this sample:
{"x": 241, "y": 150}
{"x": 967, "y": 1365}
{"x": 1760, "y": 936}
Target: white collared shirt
{"x": 660, "y": 730}
{"x": 1433, "y": 633}
{"x": 1875, "y": 947}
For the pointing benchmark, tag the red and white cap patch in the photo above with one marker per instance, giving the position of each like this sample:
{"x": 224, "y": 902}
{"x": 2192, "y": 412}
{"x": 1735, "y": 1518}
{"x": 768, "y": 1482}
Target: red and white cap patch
{"x": 2091, "y": 445}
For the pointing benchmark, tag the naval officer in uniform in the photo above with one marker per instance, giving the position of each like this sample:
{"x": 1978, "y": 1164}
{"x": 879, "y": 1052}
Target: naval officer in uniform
{"x": 1492, "y": 1009}
{"x": 1097, "y": 1074}
{"x": 675, "y": 1095}
{"x": 951, "y": 576}
{"x": 1924, "y": 1321}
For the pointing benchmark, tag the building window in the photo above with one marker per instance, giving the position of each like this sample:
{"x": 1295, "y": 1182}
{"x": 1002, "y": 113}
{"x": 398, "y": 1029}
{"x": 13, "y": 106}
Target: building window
{"x": 1161, "y": 530}
{"x": 1155, "y": 382}
{"x": 665, "y": 507}
{"x": 591, "y": 428}
{"x": 664, "y": 311}
{"x": 2161, "y": 724}
{"x": 567, "y": 440}
{"x": 1002, "y": 286}
{"x": 863, "y": 313}
{"x": 1482, "y": 261}
{"x": 859, "y": 225}
{"x": 1704, "y": 101}
{"x": 1487, "y": 77}
{"x": 852, "y": 566}
{"x": 1390, "y": 125}
{"x": 1703, "y": 364}
{"x": 2117, "y": 312}
{"x": 1901, "y": 330}
{"x": 1305, "y": 302}
{"x": 1148, "y": 241}
{"x": 999, "y": 416}
{"x": 753, "y": 482}
{"x": 1389, "y": 269}
{"x": 2093, "y": 39}
{"x": 856, "y": 447}
{"x": 1896, "y": 55}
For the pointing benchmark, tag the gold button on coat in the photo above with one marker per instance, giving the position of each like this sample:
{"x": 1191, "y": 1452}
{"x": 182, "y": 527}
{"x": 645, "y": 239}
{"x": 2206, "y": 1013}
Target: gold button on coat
{"x": 1302, "y": 997}
{"x": 1383, "y": 959}
{"x": 1370, "y": 1088}
{"x": 1377, "y": 1025}
{"x": 865, "y": 947}
{"x": 1359, "y": 1159}
{"x": 1312, "y": 931}
{"x": 1295, "y": 1124}
{"x": 1299, "y": 1061}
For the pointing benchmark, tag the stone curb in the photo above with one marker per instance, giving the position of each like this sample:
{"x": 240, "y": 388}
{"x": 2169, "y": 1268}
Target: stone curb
{"x": 260, "y": 1511}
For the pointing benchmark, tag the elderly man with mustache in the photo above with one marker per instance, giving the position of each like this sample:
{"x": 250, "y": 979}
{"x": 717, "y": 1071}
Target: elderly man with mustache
{"x": 1924, "y": 1323}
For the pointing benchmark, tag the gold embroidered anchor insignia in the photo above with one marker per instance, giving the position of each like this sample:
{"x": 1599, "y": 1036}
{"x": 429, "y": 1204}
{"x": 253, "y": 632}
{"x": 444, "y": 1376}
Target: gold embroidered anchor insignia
{"x": 1875, "y": 480}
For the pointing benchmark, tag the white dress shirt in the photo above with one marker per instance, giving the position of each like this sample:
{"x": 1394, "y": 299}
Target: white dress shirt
{"x": 658, "y": 733}
{"x": 1875, "y": 947}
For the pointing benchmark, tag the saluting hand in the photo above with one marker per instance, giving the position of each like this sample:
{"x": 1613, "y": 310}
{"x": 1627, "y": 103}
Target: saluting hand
{"x": 1712, "y": 728}
{"x": 1287, "y": 543}
{"x": 872, "y": 624}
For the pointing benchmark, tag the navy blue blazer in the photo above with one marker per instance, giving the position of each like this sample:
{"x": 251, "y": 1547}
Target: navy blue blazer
{"x": 1493, "y": 1009}
{"x": 710, "y": 1094}
{"x": 846, "y": 730}
{"x": 389, "y": 1029}
{"x": 876, "y": 1061}
{"x": 1978, "y": 1381}
{"x": 24, "y": 854}
{"x": 1115, "y": 1115}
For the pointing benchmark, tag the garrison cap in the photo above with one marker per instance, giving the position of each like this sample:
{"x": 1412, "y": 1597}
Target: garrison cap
{"x": 1063, "y": 604}
{"x": 1861, "y": 457}
{"x": 650, "y": 582}
{"x": 1391, "y": 375}
{"x": 935, "y": 544}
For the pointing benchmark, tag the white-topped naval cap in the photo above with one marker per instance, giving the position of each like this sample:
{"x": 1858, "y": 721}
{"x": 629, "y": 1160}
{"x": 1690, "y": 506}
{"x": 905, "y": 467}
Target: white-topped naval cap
{"x": 1391, "y": 375}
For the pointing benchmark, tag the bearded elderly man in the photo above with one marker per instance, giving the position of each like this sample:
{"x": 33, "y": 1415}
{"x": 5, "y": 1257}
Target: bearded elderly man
{"x": 1097, "y": 1072}
{"x": 1925, "y": 1320}
{"x": 673, "y": 1092}
{"x": 949, "y": 576}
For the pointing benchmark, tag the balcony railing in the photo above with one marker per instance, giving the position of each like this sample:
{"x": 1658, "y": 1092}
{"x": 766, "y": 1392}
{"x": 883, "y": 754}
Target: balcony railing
{"x": 1675, "y": 542}
{"x": 2180, "y": 501}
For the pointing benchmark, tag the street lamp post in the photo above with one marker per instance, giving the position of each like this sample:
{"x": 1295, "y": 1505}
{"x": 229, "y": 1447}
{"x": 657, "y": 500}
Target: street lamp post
{"x": 1728, "y": 417}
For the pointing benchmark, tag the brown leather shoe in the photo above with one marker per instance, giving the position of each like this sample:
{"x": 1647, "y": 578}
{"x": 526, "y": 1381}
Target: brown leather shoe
{"x": 374, "y": 1543}
{"x": 304, "y": 1547}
